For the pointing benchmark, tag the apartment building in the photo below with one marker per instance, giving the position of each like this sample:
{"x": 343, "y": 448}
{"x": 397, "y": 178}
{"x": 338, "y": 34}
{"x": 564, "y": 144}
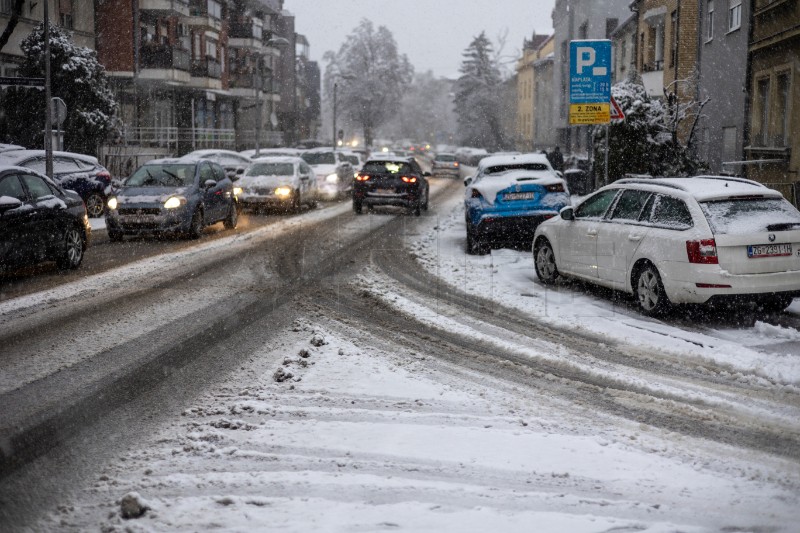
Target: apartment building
{"x": 533, "y": 50}
{"x": 78, "y": 16}
{"x": 195, "y": 73}
{"x": 772, "y": 146}
{"x": 623, "y": 41}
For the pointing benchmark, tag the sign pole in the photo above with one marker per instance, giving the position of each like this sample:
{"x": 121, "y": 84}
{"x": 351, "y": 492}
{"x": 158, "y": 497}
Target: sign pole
{"x": 48, "y": 112}
{"x": 605, "y": 179}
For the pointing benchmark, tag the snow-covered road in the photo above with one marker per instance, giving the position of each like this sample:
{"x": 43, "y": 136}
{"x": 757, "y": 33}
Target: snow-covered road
{"x": 430, "y": 391}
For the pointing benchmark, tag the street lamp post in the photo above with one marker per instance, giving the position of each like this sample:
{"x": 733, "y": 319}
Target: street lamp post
{"x": 335, "y": 87}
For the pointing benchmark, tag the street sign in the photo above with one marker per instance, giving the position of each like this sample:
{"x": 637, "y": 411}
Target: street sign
{"x": 59, "y": 111}
{"x": 21, "y": 82}
{"x": 616, "y": 111}
{"x": 589, "y": 81}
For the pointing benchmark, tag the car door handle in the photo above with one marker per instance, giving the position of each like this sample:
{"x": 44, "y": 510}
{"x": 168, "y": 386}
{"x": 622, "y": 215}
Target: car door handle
{"x": 635, "y": 237}
{"x": 591, "y": 233}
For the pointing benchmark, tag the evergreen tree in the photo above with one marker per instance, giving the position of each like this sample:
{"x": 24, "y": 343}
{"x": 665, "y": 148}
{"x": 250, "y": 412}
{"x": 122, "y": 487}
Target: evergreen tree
{"x": 77, "y": 78}
{"x": 478, "y": 96}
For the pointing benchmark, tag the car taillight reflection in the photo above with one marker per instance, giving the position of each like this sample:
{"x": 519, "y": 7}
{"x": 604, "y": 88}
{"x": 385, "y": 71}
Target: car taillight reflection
{"x": 362, "y": 177}
{"x": 408, "y": 179}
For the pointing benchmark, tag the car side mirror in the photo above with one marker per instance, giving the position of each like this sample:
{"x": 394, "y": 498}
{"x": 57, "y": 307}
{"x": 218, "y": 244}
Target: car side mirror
{"x": 209, "y": 184}
{"x": 567, "y": 213}
{"x": 239, "y": 171}
{"x": 468, "y": 181}
{"x": 8, "y": 203}
{"x": 427, "y": 174}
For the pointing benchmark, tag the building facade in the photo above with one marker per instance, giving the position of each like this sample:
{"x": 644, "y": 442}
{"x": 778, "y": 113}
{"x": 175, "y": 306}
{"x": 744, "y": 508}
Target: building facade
{"x": 572, "y": 20}
{"x": 544, "y": 132}
{"x": 722, "y": 60}
{"x": 772, "y": 146}
{"x": 623, "y": 41}
{"x": 525, "y": 105}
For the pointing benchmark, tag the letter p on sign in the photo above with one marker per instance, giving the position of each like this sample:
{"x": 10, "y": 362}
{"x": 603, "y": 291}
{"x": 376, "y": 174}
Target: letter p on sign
{"x": 586, "y": 58}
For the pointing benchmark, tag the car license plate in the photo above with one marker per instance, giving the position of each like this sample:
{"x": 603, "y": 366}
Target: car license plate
{"x": 384, "y": 191}
{"x": 769, "y": 250}
{"x": 518, "y": 196}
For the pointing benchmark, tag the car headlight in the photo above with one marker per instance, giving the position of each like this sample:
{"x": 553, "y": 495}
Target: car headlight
{"x": 332, "y": 178}
{"x": 237, "y": 191}
{"x": 112, "y": 203}
{"x": 174, "y": 202}
{"x": 283, "y": 191}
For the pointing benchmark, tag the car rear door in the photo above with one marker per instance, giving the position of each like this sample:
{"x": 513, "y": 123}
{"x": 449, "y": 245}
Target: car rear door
{"x": 618, "y": 240}
{"x": 17, "y": 226}
{"x": 48, "y": 214}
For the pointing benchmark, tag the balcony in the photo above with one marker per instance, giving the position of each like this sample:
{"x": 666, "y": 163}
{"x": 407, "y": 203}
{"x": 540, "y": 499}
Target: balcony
{"x": 171, "y": 138}
{"x": 164, "y": 63}
{"x": 246, "y": 35}
{"x": 166, "y": 7}
{"x": 206, "y": 68}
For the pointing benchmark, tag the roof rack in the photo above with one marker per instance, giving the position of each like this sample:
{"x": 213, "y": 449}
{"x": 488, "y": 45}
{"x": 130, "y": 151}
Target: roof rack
{"x": 732, "y": 178}
{"x": 652, "y": 182}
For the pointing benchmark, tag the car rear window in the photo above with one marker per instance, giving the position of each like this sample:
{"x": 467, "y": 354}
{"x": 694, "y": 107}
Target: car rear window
{"x": 271, "y": 169}
{"x": 749, "y": 215}
{"x": 387, "y": 167}
{"x": 671, "y": 213}
{"x": 446, "y": 158}
{"x": 496, "y": 169}
{"x": 319, "y": 158}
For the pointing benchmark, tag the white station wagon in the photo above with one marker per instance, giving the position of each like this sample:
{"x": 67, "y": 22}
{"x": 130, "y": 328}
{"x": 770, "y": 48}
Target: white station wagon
{"x": 670, "y": 241}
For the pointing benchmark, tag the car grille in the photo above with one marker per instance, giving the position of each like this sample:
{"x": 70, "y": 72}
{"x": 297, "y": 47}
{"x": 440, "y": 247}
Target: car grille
{"x": 261, "y": 191}
{"x": 126, "y": 211}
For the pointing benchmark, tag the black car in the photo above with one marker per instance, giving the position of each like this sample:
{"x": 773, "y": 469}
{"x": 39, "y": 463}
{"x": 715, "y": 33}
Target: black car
{"x": 391, "y": 181}
{"x": 178, "y": 196}
{"x": 80, "y": 173}
{"x": 40, "y": 221}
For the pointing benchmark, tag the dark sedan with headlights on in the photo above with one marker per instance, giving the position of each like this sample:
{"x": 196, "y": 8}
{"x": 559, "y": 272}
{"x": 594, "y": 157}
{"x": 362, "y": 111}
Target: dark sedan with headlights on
{"x": 391, "y": 181}
{"x": 172, "y": 196}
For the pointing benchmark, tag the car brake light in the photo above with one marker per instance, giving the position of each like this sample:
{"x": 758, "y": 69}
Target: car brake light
{"x": 558, "y": 187}
{"x": 455, "y": 164}
{"x": 702, "y": 252}
{"x": 362, "y": 177}
{"x": 476, "y": 193}
{"x": 407, "y": 179}
{"x": 105, "y": 176}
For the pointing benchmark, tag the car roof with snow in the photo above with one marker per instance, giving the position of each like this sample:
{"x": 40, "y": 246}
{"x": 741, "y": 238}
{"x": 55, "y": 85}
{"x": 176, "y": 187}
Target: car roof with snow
{"x": 704, "y": 188}
{"x": 389, "y": 158}
{"x": 168, "y": 161}
{"x": 319, "y": 150}
{"x": 5, "y": 167}
{"x": 521, "y": 159}
{"x": 15, "y": 156}
{"x": 278, "y": 159}
{"x": 211, "y": 152}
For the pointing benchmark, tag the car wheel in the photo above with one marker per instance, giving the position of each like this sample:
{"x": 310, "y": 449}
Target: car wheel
{"x": 427, "y": 198}
{"x": 475, "y": 246}
{"x": 72, "y": 254}
{"x": 357, "y": 207}
{"x": 233, "y": 217}
{"x": 296, "y": 202}
{"x": 545, "y": 262}
{"x": 95, "y": 205}
{"x": 650, "y": 293}
{"x": 196, "y": 226}
{"x": 115, "y": 236}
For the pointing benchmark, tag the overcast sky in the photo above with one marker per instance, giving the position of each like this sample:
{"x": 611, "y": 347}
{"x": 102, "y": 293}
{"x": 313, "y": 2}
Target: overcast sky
{"x": 432, "y": 33}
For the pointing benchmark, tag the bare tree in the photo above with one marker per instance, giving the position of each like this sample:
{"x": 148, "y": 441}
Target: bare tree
{"x": 16, "y": 13}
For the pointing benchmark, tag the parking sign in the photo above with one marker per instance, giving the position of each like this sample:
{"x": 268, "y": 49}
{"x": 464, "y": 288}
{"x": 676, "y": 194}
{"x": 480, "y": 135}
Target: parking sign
{"x": 590, "y": 81}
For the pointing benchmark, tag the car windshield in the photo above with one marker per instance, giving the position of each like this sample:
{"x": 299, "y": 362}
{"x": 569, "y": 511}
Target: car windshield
{"x": 353, "y": 160}
{"x": 271, "y": 169}
{"x": 387, "y": 167}
{"x": 748, "y": 215}
{"x": 319, "y": 158}
{"x": 169, "y": 175}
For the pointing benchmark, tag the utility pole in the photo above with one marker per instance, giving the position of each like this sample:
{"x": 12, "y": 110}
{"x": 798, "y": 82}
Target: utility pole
{"x": 335, "y": 87}
{"x": 48, "y": 111}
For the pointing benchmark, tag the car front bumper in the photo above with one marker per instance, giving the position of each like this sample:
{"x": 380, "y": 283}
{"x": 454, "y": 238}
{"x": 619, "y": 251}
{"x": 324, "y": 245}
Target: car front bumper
{"x": 149, "y": 224}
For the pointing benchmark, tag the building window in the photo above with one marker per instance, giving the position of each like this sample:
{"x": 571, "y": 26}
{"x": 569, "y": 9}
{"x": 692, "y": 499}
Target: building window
{"x": 196, "y": 48}
{"x": 710, "y": 21}
{"x": 6, "y": 6}
{"x": 673, "y": 54}
{"x": 782, "y": 108}
{"x": 214, "y": 9}
{"x": 211, "y": 48}
{"x": 729, "y": 144}
{"x": 65, "y": 13}
{"x": 659, "y": 48}
{"x": 761, "y": 114}
{"x": 734, "y": 14}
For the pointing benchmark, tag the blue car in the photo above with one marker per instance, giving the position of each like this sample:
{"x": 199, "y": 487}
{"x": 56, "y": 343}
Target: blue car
{"x": 173, "y": 196}
{"x": 508, "y": 198}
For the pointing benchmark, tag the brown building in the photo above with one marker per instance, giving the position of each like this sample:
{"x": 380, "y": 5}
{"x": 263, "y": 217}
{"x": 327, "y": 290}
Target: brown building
{"x": 667, "y": 50}
{"x": 195, "y": 73}
{"x": 772, "y": 143}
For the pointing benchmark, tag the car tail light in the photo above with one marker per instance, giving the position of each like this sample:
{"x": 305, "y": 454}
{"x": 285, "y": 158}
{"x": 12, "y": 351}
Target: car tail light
{"x": 476, "y": 193}
{"x": 408, "y": 179}
{"x": 105, "y": 175}
{"x": 362, "y": 177}
{"x": 703, "y": 252}
{"x": 558, "y": 187}
{"x": 455, "y": 164}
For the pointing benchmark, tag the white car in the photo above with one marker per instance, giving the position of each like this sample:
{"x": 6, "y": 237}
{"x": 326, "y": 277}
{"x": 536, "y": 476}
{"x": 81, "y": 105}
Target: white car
{"x": 707, "y": 239}
{"x": 283, "y": 182}
{"x": 233, "y": 162}
{"x": 335, "y": 174}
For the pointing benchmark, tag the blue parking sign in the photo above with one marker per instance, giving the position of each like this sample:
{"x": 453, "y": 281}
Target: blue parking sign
{"x": 590, "y": 71}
